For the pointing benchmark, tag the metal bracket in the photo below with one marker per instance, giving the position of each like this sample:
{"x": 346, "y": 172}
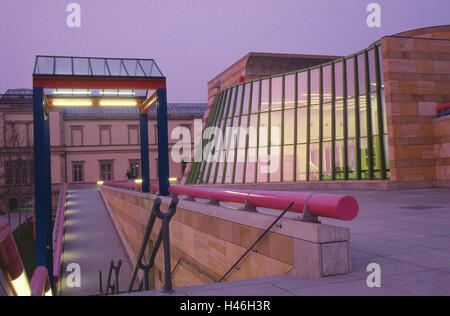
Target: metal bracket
{"x": 213, "y": 202}
{"x": 248, "y": 207}
{"x": 307, "y": 216}
{"x": 189, "y": 198}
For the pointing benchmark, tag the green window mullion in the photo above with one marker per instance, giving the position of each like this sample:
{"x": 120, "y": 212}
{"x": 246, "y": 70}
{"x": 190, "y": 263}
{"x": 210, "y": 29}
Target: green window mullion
{"x": 320, "y": 123}
{"x": 257, "y": 131}
{"x": 357, "y": 131}
{"x": 283, "y": 102}
{"x": 247, "y": 136}
{"x": 380, "y": 114}
{"x": 225, "y": 163}
{"x": 209, "y": 124}
{"x": 238, "y": 135}
{"x": 333, "y": 123}
{"x": 308, "y": 127}
{"x": 219, "y": 115}
{"x": 345, "y": 118}
{"x": 295, "y": 126}
{"x": 224, "y": 119}
{"x": 369, "y": 117}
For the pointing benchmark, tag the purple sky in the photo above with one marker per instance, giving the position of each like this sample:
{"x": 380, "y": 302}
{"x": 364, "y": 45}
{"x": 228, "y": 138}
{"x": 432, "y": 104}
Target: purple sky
{"x": 194, "y": 40}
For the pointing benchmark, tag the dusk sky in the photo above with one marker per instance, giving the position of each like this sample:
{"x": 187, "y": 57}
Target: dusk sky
{"x": 194, "y": 40}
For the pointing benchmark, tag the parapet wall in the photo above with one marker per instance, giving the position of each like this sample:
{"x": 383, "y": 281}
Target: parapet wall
{"x": 207, "y": 240}
{"x": 441, "y": 131}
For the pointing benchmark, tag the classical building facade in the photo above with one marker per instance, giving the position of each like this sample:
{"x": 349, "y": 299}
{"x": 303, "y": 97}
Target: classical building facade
{"x": 367, "y": 120}
{"x": 87, "y": 144}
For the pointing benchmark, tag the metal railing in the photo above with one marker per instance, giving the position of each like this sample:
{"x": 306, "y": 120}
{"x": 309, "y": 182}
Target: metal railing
{"x": 163, "y": 237}
{"x": 58, "y": 233}
{"x": 312, "y": 206}
{"x": 14, "y": 271}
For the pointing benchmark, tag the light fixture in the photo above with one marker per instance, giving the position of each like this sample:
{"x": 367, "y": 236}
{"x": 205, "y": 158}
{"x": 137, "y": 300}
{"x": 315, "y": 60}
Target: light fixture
{"x": 138, "y": 181}
{"x": 72, "y": 103}
{"x": 100, "y": 182}
{"x": 72, "y": 92}
{"x": 118, "y": 103}
{"x": 173, "y": 179}
{"x": 117, "y": 93}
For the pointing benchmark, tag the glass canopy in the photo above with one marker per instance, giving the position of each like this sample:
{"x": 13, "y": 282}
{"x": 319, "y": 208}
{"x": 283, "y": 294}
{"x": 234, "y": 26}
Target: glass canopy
{"x": 96, "y": 67}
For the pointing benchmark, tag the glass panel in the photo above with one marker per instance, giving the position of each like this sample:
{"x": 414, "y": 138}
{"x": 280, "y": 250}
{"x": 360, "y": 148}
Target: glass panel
{"x": 44, "y": 66}
{"x": 386, "y": 153}
{"x": 374, "y": 106}
{"x": 237, "y": 110}
{"x": 302, "y": 89}
{"x": 263, "y": 131}
{"x": 327, "y": 121}
{"x": 265, "y": 95}
{"x": 301, "y": 162}
{"x": 339, "y": 120}
{"x": 339, "y": 160}
{"x": 327, "y": 84}
{"x": 315, "y": 87}
{"x": 220, "y": 168}
{"x": 302, "y": 120}
{"x": 245, "y": 106}
{"x": 372, "y": 71}
{"x": 275, "y": 164}
{"x": 350, "y": 64}
{"x": 99, "y": 67}
{"x": 351, "y": 152}
{"x": 63, "y": 66}
{"x": 231, "y": 106}
{"x": 116, "y": 67}
{"x": 288, "y": 164}
{"x": 376, "y": 157}
{"x": 238, "y": 178}
{"x": 263, "y": 166}
{"x": 314, "y": 162}
{"x": 255, "y": 97}
{"x": 277, "y": 92}
{"x": 289, "y": 116}
{"x": 383, "y": 109}
{"x": 351, "y": 118}
{"x": 275, "y": 129}
{"x": 229, "y": 171}
{"x": 133, "y": 68}
{"x": 326, "y": 161}
{"x": 314, "y": 124}
{"x": 364, "y": 152}
{"x": 150, "y": 68}
{"x": 361, "y": 74}
{"x": 362, "y": 116}
{"x": 81, "y": 67}
{"x": 289, "y": 91}
{"x": 251, "y": 162}
{"x": 253, "y": 139}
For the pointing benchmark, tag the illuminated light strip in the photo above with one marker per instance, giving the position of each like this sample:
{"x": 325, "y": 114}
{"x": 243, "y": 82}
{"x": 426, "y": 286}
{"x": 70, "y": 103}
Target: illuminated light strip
{"x": 173, "y": 179}
{"x": 118, "y": 103}
{"x": 100, "y": 182}
{"x": 138, "y": 181}
{"x": 72, "y": 103}
{"x": 117, "y": 93}
{"x": 75, "y": 92}
{"x": 21, "y": 285}
{"x": 49, "y": 292}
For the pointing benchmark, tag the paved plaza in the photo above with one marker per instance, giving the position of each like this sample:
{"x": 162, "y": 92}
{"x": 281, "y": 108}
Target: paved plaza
{"x": 406, "y": 232}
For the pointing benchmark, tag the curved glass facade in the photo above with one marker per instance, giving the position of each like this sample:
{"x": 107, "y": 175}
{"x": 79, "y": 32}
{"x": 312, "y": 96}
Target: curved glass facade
{"x": 322, "y": 123}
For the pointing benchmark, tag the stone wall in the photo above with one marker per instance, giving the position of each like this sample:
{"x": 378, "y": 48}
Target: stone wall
{"x": 207, "y": 240}
{"x": 441, "y": 132}
{"x": 417, "y": 80}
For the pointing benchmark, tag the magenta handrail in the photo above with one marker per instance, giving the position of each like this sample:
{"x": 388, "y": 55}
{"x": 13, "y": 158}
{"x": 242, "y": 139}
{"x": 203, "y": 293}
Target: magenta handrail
{"x": 59, "y": 233}
{"x": 40, "y": 282}
{"x": 343, "y": 207}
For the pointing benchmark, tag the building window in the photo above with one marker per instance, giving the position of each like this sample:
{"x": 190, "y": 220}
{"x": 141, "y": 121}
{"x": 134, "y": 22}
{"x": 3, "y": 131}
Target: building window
{"x": 17, "y": 172}
{"x": 76, "y": 133}
{"x": 134, "y": 168}
{"x": 133, "y": 134}
{"x": 78, "y": 171}
{"x": 105, "y": 135}
{"x": 106, "y": 170}
{"x": 183, "y": 167}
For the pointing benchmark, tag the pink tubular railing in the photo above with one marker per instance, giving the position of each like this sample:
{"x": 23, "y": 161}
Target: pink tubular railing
{"x": 13, "y": 270}
{"x": 58, "y": 233}
{"x": 341, "y": 207}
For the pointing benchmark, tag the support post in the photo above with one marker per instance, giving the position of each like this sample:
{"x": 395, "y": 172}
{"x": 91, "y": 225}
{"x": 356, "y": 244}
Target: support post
{"x": 163, "y": 143}
{"x": 144, "y": 152}
{"x": 42, "y": 184}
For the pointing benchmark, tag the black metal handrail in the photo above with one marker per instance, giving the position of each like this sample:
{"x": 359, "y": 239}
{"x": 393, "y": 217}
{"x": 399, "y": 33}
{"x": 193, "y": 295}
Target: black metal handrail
{"x": 255, "y": 243}
{"x": 163, "y": 237}
{"x": 113, "y": 285}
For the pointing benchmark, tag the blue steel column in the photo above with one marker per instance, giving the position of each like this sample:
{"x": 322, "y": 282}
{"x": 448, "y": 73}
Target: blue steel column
{"x": 144, "y": 153}
{"x": 163, "y": 143}
{"x": 42, "y": 184}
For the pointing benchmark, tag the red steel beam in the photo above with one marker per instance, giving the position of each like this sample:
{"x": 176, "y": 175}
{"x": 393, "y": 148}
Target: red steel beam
{"x": 81, "y": 82}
